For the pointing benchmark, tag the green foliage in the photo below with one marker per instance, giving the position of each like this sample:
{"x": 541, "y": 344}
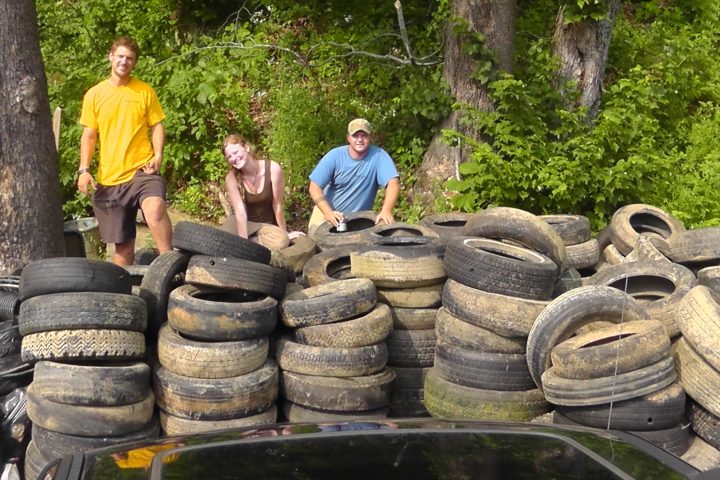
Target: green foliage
{"x": 654, "y": 140}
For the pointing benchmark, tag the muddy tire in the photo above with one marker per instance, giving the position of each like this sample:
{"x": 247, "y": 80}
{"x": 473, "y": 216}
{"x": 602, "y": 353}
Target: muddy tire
{"x": 83, "y": 345}
{"x": 368, "y": 392}
{"x": 199, "y": 359}
{"x": 89, "y": 421}
{"x": 705, "y": 424}
{"x": 328, "y": 303}
{"x": 164, "y": 274}
{"x": 455, "y": 331}
{"x": 445, "y": 399}
{"x": 699, "y": 321}
{"x": 570, "y": 311}
{"x": 583, "y": 255}
{"x": 327, "y": 237}
{"x": 398, "y": 267}
{"x": 217, "y": 399}
{"x": 329, "y": 361}
{"x": 236, "y": 274}
{"x": 299, "y": 413}
{"x": 368, "y": 329}
{"x": 612, "y": 350}
{"x": 328, "y": 266}
{"x": 411, "y": 348}
{"x": 502, "y": 314}
{"x": 573, "y": 229}
{"x": 221, "y": 315}
{"x": 631, "y": 221}
{"x": 82, "y": 310}
{"x": 446, "y": 225}
{"x": 615, "y": 388}
{"x": 696, "y": 246}
{"x": 66, "y": 274}
{"x": 413, "y": 318}
{"x": 173, "y": 425}
{"x": 213, "y": 242}
{"x": 700, "y": 381}
{"x": 429, "y": 296}
{"x": 92, "y": 385}
{"x": 296, "y": 255}
{"x": 498, "y": 267}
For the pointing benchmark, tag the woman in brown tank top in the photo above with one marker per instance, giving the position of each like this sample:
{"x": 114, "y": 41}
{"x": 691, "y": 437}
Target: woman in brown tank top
{"x": 256, "y": 189}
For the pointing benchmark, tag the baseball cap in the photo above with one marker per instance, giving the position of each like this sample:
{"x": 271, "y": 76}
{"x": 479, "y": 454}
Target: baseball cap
{"x": 359, "y": 124}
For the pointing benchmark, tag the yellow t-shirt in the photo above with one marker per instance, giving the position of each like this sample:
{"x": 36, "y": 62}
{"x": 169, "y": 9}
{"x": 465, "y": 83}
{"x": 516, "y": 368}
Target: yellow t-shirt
{"x": 122, "y": 116}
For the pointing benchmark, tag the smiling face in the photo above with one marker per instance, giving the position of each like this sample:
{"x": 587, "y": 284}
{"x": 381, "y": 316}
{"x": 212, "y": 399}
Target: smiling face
{"x": 122, "y": 62}
{"x": 236, "y": 155}
{"x": 359, "y": 142}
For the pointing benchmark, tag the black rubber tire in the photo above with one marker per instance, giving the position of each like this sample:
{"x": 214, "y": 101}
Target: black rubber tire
{"x": 397, "y": 266}
{"x": 172, "y": 425}
{"x": 445, "y": 399}
{"x": 410, "y": 377}
{"x": 219, "y": 398}
{"x": 237, "y": 274}
{"x": 411, "y": 348}
{"x": 573, "y": 229}
{"x": 456, "y": 331}
{"x": 327, "y": 237}
{"x": 583, "y": 255}
{"x": 145, "y": 256}
{"x": 429, "y": 296}
{"x": 498, "y": 267}
{"x": 221, "y": 315}
{"x": 214, "y": 242}
{"x": 662, "y": 409}
{"x": 369, "y": 329}
{"x": 699, "y": 320}
{"x": 83, "y": 345}
{"x": 350, "y": 394}
{"x": 413, "y": 318}
{"x": 71, "y": 274}
{"x": 710, "y": 277}
{"x": 630, "y": 221}
{"x": 57, "y": 445}
{"x": 403, "y": 230}
{"x": 297, "y": 413}
{"x": 614, "y": 388}
{"x": 658, "y": 286}
{"x": 612, "y": 350}
{"x": 328, "y": 303}
{"x": 9, "y": 306}
{"x": 10, "y": 339}
{"x": 34, "y": 462}
{"x": 330, "y": 361}
{"x": 89, "y": 421}
{"x": 700, "y": 380}
{"x": 328, "y": 266}
{"x": 164, "y": 274}
{"x": 200, "y": 359}
{"x": 570, "y": 311}
{"x": 92, "y": 385}
{"x": 569, "y": 279}
{"x": 407, "y": 402}
{"x": 705, "y": 424}
{"x": 502, "y": 314}
{"x": 488, "y": 371}
{"x": 504, "y": 223}
{"x": 137, "y": 273}
{"x": 696, "y": 246}
{"x": 82, "y": 310}
{"x": 446, "y": 225}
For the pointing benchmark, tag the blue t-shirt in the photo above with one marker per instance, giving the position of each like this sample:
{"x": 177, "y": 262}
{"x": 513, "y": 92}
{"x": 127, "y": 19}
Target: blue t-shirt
{"x": 351, "y": 185}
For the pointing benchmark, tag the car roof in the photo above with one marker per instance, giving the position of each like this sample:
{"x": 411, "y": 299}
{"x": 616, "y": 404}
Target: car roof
{"x": 385, "y": 449}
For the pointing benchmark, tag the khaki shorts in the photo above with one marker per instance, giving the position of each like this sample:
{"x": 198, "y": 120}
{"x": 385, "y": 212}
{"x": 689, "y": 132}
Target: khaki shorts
{"x": 316, "y": 219}
{"x": 270, "y": 236}
{"x": 116, "y": 206}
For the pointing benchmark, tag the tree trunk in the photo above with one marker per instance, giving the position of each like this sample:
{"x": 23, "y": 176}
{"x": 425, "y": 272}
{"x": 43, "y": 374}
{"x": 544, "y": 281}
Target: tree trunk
{"x": 495, "y": 20}
{"x": 582, "y": 48}
{"x": 31, "y": 224}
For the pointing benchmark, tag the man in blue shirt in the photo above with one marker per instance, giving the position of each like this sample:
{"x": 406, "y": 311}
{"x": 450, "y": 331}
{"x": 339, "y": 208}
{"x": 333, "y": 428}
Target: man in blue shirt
{"x": 348, "y": 177}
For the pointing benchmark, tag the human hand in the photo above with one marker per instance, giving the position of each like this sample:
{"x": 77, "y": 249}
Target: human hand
{"x": 384, "y": 217}
{"x": 295, "y": 234}
{"x": 334, "y": 217}
{"x": 152, "y": 166}
{"x": 84, "y": 181}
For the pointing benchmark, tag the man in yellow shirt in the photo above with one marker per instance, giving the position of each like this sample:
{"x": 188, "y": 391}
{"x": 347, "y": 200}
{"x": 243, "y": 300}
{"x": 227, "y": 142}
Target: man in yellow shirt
{"x": 121, "y": 111}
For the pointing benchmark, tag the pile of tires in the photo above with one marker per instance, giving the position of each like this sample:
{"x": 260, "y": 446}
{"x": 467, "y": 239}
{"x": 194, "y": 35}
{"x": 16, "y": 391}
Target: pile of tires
{"x": 84, "y": 332}
{"x": 333, "y": 354}
{"x": 409, "y": 275}
{"x": 213, "y": 370}
{"x": 502, "y": 273}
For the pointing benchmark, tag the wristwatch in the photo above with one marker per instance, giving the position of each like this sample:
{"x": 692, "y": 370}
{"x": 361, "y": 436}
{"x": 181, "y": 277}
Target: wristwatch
{"x": 82, "y": 170}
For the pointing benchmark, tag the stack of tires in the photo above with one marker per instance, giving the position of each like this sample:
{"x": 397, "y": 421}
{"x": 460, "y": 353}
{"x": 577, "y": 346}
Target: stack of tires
{"x": 333, "y": 357}
{"x": 698, "y": 360}
{"x": 581, "y": 250}
{"x": 409, "y": 274}
{"x": 213, "y": 367}
{"x": 83, "y": 330}
{"x": 495, "y": 291}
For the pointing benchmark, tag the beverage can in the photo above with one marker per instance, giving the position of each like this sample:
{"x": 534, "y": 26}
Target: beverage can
{"x": 341, "y": 227}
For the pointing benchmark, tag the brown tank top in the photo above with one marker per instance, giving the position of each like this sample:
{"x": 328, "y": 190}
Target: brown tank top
{"x": 259, "y": 206}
